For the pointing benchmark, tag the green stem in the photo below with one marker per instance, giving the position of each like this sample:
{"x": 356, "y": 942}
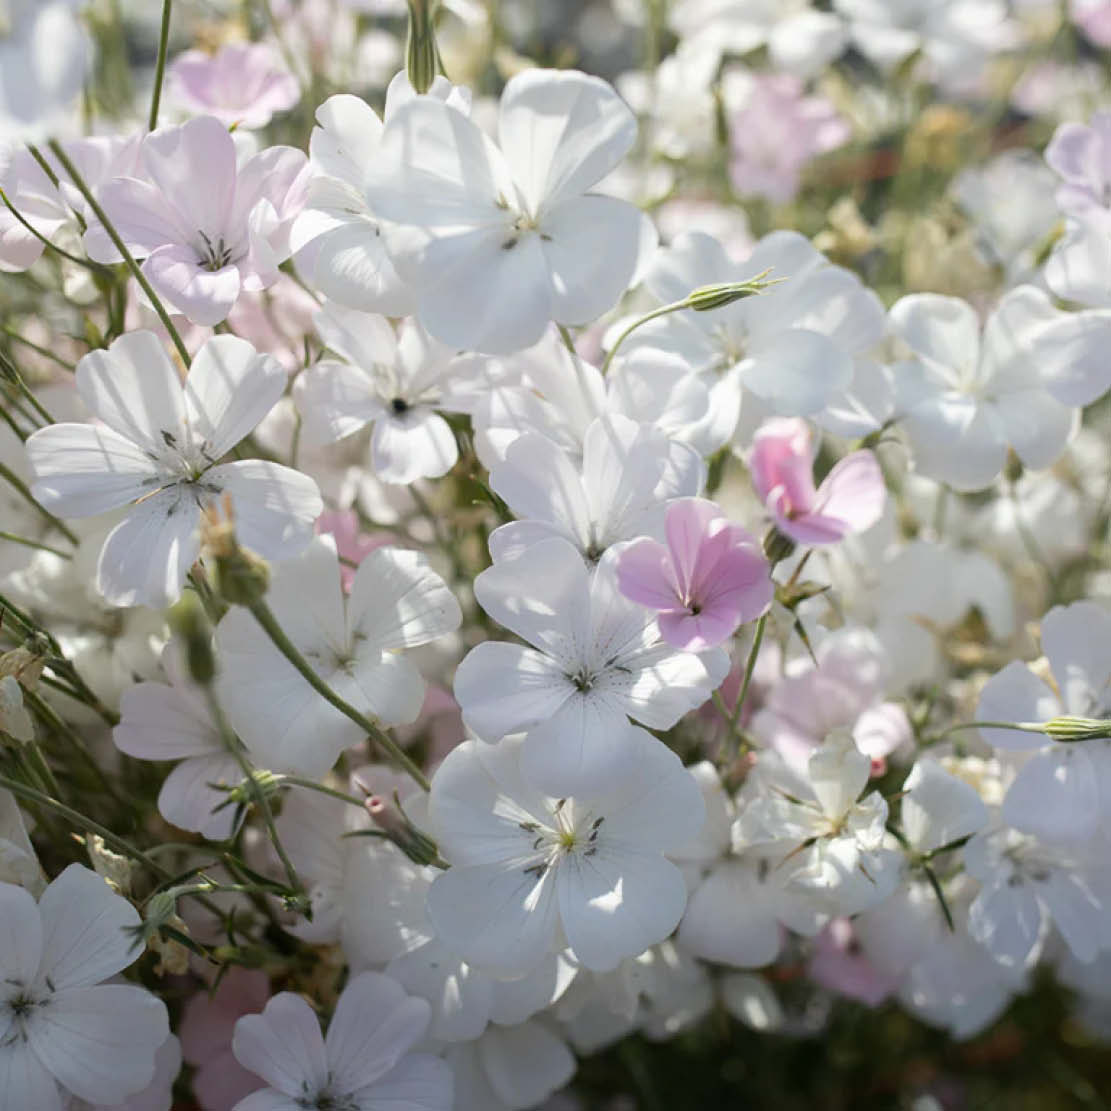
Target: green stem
{"x": 565, "y": 335}
{"x": 121, "y": 247}
{"x": 17, "y": 380}
{"x": 663, "y": 310}
{"x": 261, "y": 801}
{"x": 24, "y": 492}
{"x": 750, "y": 667}
{"x": 312, "y": 785}
{"x": 160, "y": 67}
{"x": 13, "y": 539}
{"x": 79, "y": 821}
{"x": 1019, "y": 726}
{"x": 265, "y": 617}
{"x": 87, "y": 263}
{"x": 45, "y": 352}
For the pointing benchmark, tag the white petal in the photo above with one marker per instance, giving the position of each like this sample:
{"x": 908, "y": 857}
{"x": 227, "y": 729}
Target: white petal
{"x": 420, "y": 1082}
{"x": 146, "y": 557}
{"x": 616, "y": 903}
{"x": 80, "y": 470}
{"x": 335, "y": 400}
{"x": 1055, "y": 795}
{"x": 954, "y": 439}
{"x": 796, "y": 371}
{"x": 364, "y": 339}
{"x": 84, "y": 927}
{"x": 419, "y": 444}
{"x": 157, "y": 722}
{"x": 525, "y": 1064}
{"x": 1015, "y": 694}
{"x": 503, "y": 688}
{"x": 1037, "y": 426}
{"x": 100, "y": 1041}
{"x": 731, "y": 919}
{"x": 459, "y": 995}
{"x": 350, "y": 265}
{"x": 275, "y": 506}
{"x": 283, "y": 1045}
{"x": 1007, "y": 920}
{"x": 562, "y": 132}
{"x": 135, "y": 389}
{"x": 591, "y": 245}
{"x": 230, "y": 388}
{"x": 375, "y": 1023}
{"x": 938, "y": 808}
{"x": 20, "y": 935}
{"x": 187, "y": 801}
{"x": 1077, "y": 640}
{"x": 496, "y": 916}
{"x": 24, "y": 1080}
{"x": 1078, "y": 914}
{"x": 942, "y": 329}
{"x": 398, "y": 601}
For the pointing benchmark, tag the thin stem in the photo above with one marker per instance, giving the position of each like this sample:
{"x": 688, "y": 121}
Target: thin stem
{"x": 1018, "y": 726}
{"x": 21, "y": 790}
{"x": 750, "y": 667}
{"x": 24, "y": 492}
{"x": 260, "y": 799}
{"x": 565, "y": 335}
{"x": 17, "y": 379}
{"x": 87, "y": 263}
{"x": 312, "y": 785}
{"x": 9, "y": 420}
{"x": 265, "y": 617}
{"x": 12, "y": 538}
{"x": 120, "y": 246}
{"x": 663, "y": 310}
{"x": 744, "y": 742}
{"x": 160, "y": 67}
{"x": 39, "y": 350}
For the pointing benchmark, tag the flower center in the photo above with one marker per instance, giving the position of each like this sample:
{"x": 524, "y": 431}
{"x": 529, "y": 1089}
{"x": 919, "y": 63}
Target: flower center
{"x": 566, "y": 836}
{"x": 215, "y": 255}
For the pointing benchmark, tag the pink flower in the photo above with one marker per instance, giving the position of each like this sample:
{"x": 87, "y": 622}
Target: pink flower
{"x": 352, "y": 545}
{"x": 204, "y": 241}
{"x": 839, "y": 964}
{"x": 1093, "y": 17}
{"x": 244, "y": 84}
{"x": 206, "y": 1030}
{"x": 707, "y": 580}
{"x": 776, "y": 133}
{"x": 849, "y": 500}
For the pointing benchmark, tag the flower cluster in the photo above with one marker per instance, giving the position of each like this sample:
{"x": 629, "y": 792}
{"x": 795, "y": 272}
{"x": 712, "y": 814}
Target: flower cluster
{"x": 550, "y": 561}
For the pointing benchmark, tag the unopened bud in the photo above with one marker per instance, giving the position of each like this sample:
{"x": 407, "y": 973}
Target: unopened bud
{"x": 395, "y": 824}
{"x": 777, "y": 546}
{"x": 190, "y": 623}
{"x": 706, "y": 298}
{"x": 422, "y": 58}
{"x": 1069, "y": 728}
{"x": 246, "y": 791}
{"x": 26, "y": 663}
{"x": 161, "y": 910}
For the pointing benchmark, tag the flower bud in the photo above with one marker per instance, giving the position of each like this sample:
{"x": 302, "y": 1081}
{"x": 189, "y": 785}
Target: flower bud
{"x": 777, "y": 546}
{"x": 1070, "y": 728}
{"x": 393, "y": 821}
{"x": 706, "y": 298}
{"x": 241, "y": 577}
{"x": 190, "y": 623}
{"x": 422, "y": 58}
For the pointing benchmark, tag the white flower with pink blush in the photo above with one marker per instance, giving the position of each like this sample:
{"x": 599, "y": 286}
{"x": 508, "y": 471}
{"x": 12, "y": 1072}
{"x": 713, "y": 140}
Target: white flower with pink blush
{"x": 158, "y": 451}
{"x": 364, "y": 1064}
{"x": 203, "y": 245}
{"x": 775, "y": 131}
{"x": 243, "y": 84}
{"x": 850, "y": 499}
{"x": 707, "y": 580}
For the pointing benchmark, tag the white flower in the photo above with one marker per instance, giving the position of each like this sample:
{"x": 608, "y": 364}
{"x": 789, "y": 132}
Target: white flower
{"x": 398, "y": 382}
{"x": 1060, "y": 789}
{"x": 799, "y": 39}
{"x": 61, "y": 1029}
{"x": 498, "y": 242}
{"x": 786, "y": 352}
{"x": 835, "y": 838}
{"x": 159, "y": 450}
{"x": 596, "y": 659}
{"x": 964, "y": 399}
{"x": 18, "y": 863}
{"x": 364, "y": 1064}
{"x": 160, "y": 721}
{"x": 337, "y": 241}
{"x": 1026, "y": 886}
{"x": 532, "y": 873}
{"x": 938, "y": 809}
{"x": 510, "y": 1068}
{"x": 396, "y": 602}
{"x": 628, "y": 472}
{"x": 157, "y": 1095}
{"x": 44, "y": 58}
